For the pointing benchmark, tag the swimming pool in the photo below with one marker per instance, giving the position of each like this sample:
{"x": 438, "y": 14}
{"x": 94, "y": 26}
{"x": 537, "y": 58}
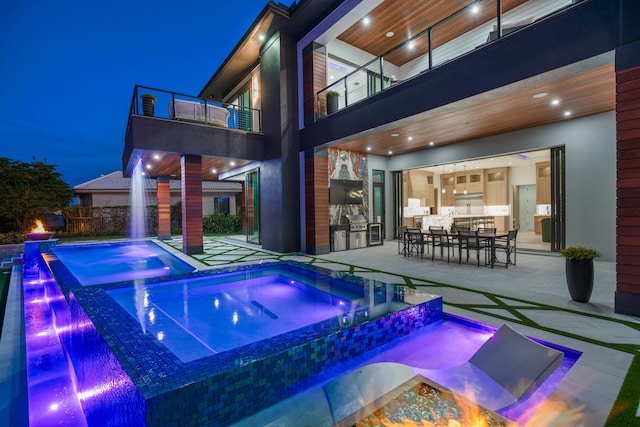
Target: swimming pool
{"x": 129, "y": 375}
{"x": 93, "y": 264}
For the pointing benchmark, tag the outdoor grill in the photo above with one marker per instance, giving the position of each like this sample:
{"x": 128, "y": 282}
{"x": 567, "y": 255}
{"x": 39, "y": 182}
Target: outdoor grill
{"x": 356, "y": 222}
{"x": 357, "y": 230}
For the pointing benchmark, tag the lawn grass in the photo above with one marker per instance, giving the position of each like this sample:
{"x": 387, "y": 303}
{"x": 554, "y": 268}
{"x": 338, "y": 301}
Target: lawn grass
{"x": 625, "y": 407}
{"x": 5, "y": 275}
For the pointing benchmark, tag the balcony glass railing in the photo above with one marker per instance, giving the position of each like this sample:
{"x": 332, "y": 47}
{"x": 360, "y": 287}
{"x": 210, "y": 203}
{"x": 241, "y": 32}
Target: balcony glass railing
{"x": 176, "y": 106}
{"x": 469, "y": 28}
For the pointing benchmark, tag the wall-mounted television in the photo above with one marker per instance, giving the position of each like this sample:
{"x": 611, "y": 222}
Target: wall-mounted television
{"x": 345, "y": 192}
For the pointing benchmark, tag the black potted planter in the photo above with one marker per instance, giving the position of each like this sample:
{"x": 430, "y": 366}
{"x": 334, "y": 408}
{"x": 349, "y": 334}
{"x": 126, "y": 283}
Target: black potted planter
{"x": 332, "y": 101}
{"x": 148, "y": 104}
{"x": 579, "y": 271}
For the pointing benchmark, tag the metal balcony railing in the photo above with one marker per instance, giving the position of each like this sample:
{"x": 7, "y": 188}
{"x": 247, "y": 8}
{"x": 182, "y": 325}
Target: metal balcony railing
{"x": 467, "y": 29}
{"x": 164, "y": 104}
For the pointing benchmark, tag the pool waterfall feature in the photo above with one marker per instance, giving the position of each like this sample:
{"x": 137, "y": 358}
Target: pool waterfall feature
{"x": 128, "y": 376}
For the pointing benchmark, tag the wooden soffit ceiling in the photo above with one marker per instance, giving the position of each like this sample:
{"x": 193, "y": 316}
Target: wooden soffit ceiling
{"x": 410, "y": 18}
{"x": 506, "y": 109}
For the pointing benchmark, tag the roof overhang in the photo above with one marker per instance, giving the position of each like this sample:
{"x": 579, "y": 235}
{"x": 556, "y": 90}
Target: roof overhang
{"x": 275, "y": 18}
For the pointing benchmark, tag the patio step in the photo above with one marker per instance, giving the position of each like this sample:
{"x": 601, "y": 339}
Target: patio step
{"x": 7, "y": 263}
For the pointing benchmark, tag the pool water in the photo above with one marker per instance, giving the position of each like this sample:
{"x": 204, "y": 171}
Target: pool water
{"x": 198, "y": 317}
{"x": 114, "y": 262}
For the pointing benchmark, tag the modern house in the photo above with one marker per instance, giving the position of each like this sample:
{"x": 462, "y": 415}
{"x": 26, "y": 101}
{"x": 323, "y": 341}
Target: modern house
{"x": 328, "y": 110}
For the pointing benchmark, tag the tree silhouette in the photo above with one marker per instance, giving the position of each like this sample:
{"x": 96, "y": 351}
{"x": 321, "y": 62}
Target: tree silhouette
{"x": 30, "y": 191}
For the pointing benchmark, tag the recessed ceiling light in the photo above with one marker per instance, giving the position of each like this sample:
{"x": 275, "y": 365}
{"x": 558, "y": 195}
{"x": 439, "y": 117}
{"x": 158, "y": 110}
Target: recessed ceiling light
{"x": 261, "y": 37}
{"x": 331, "y": 77}
{"x": 390, "y": 152}
{"x": 411, "y": 45}
{"x": 555, "y": 101}
{"x": 366, "y": 20}
{"x": 567, "y": 113}
{"x": 431, "y": 143}
{"x": 214, "y": 171}
{"x": 390, "y": 34}
{"x": 148, "y": 166}
{"x": 410, "y": 138}
{"x": 395, "y": 134}
{"x": 232, "y": 163}
{"x": 540, "y": 95}
{"x": 475, "y": 8}
{"x": 156, "y": 156}
{"x": 369, "y": 148}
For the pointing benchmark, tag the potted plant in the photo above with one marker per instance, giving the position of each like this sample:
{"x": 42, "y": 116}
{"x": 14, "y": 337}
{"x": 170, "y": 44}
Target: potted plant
{"x": 332, "y": 101}
{"x": 579, "y": 271}
{"x": 148, "y": 101}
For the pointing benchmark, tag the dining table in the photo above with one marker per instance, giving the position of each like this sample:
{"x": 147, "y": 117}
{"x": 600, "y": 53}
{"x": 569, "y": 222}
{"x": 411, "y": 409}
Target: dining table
{"x": 489, "y": 237}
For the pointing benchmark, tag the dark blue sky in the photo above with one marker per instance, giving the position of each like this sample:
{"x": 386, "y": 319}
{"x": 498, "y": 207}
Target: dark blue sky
{"x": 67, "y": 71}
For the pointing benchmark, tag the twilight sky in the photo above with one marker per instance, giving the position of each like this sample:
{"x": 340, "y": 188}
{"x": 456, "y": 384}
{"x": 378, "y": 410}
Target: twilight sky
{"x": 68, "y": 68}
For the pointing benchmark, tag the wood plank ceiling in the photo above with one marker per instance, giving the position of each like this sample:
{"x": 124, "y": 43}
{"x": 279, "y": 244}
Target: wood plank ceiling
{"x": 505, "y": 110}
{"x": 406, "y": 19}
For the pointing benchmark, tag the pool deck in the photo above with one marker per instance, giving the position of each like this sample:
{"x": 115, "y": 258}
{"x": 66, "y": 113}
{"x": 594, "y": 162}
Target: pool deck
{"x": 534, "y": 289}
{"x": 531, "y": 297}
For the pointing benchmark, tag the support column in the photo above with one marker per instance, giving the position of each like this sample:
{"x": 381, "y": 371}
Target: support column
{"x": 314, "y": 75}
{"x": 627, "y": 297}
{"x": 164, "y": 208}
{"x": 191, "y": 170}
{"x": 316, "y": 182}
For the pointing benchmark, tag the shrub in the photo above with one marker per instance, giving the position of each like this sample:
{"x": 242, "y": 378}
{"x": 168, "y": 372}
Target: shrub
{"x": 221, "y": 223}
{"x": 579, "y": 253}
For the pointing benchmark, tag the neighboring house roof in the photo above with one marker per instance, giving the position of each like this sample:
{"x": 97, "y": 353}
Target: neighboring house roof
{"x": 116, "y": 182}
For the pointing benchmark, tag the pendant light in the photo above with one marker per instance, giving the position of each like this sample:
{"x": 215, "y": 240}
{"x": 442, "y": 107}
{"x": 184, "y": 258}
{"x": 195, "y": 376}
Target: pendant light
{"x": 455, "y": 183}
{"x": 465, "y": 179}
{"x": 444, "y": 190}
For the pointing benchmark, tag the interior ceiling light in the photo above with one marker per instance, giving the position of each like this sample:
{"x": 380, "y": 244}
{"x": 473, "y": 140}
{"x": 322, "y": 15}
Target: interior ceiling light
{"x": 540, "y": 95}
{"x": 148, "y": 166}
{"x": 369, "y": 148}
{"x": 465, "y": 179}
{"x": 261, "y": 37}
{"x": 475, "y": 8}
{"x": 567, "y": 113}
{"x": 410, "y": 138}
{"x": 454, "y": 179}
{"x": 232, "y": 163}
{"x": 411, "y": 45}
{"x": 390, "y": 34}
{"x": 156, "y": 156}
{"x": 395, "y": 134}
{"x": 366, "y": 20}
{"x": 431, "y": 142}
{"x": 555, "y": 101}
{"x": 390, "y": 152}
{"x": 214, "y": 171}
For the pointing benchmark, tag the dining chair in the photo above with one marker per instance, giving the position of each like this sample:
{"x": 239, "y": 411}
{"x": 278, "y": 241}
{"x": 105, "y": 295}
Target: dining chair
{"x": 442, "y": 239}
{"x": 508, "y": 245}
{"x": 415, "y": 241}
{"x": 470, "y": 240}
{"x": 401, "y": 233}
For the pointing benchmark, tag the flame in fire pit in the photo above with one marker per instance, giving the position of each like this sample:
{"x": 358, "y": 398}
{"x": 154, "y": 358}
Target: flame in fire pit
{"x": 39, "y": 228}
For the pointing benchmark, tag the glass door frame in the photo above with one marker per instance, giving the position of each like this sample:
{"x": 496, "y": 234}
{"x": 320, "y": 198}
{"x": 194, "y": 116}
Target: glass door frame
{"x": 252, "y": 206}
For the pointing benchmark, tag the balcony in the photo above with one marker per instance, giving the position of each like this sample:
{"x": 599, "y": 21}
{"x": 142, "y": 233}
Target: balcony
{"x": 462, "y": 31}
{"x": 151, "y": 102}
{"x": 164, "y": 125}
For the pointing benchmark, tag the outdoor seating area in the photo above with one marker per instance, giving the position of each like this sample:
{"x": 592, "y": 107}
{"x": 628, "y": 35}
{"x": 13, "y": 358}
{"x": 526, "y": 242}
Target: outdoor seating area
{"x": 482, "y": 246}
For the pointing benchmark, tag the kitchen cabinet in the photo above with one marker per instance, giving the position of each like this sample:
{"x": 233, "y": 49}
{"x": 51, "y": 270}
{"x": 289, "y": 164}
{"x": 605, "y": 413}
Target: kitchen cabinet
{"x": 447, "y": 181}
{"x": 418, "y": 184}
{"x": 475, "y": 182}
{"x": 543, "y": 183}
{"x": 496, "y": 186}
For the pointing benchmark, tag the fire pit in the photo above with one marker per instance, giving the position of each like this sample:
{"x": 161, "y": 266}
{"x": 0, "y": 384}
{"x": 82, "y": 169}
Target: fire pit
{"x": 38, "y": 232}
{"x": 420, "y": 402}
